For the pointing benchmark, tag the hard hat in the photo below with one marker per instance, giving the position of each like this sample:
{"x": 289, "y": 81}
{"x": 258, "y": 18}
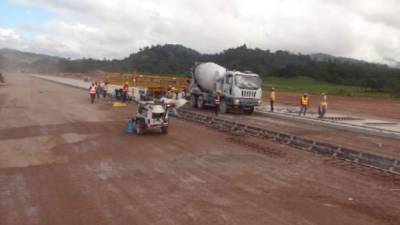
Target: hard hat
{"x": 126, "y": 82}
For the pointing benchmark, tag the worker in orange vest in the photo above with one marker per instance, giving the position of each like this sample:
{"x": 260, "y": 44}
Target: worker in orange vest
{"x": 125, "y": 90}
{"x": 92, "y": 92}
{"x": 272, "y": 98}
{"x": 217, "y": 102}
{"x": 323, "y": 106}
{"x": 304, "y": 103}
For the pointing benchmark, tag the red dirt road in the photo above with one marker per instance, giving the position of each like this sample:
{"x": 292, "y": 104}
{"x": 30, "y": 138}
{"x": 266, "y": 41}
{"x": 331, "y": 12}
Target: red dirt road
{"x": 65, "y": 161}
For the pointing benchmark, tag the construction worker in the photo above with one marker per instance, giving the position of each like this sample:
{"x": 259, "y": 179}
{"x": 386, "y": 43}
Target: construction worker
{"x": 99, "y": 89}
{"x": 92, "y": 92}
{"x": 174, "y": 95}
{"x": 217, "y": 102}
{"x": 180, "y": 94}
{"x": 304, "y": 103}
{"x": 323, "y": 106}
{"x": 105, "y": 89}
{"x": 183, "y": 93}
{"x": 272, "y": 98}
{"x": 118, "y": 93}
{"x": 125, "y": 90}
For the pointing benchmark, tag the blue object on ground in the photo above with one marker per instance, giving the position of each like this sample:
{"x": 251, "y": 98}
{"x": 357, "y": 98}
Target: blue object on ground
{"x": 130, "y": 126}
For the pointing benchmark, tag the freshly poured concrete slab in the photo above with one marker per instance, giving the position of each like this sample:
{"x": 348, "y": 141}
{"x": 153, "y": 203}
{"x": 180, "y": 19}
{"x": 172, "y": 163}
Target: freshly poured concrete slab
{"x": 375, "y": 126}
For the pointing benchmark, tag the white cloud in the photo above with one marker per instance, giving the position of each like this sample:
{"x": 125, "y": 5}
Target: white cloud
{"x": 9, "y": 35}
{"x": 113, "y": 29}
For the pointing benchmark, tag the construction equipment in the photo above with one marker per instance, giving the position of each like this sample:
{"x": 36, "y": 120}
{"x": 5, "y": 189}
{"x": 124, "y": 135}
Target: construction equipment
{"x": 151, "y": 116}
{"x": 239, "y": 90}
{"x": 154, "y": 115}
{"x": 153, "y": 85}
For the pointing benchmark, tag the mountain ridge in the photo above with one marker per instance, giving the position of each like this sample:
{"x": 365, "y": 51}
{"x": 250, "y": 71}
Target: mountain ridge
{"x": 178, "y": 59}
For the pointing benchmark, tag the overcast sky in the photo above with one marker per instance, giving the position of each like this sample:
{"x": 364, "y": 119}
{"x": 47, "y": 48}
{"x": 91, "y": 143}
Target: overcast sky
{"x": 368, "y": 30}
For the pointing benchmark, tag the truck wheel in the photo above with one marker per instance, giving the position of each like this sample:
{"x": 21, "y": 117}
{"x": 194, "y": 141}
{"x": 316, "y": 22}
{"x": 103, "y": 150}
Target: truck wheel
{"x": 164, "y": 130}
{"x": 249, "y": 111}
{"x": 223, "y": 108}
{"x": 140, "y": 126}
{"x": 193, "y": 101}
{"x": 200, "y": 102}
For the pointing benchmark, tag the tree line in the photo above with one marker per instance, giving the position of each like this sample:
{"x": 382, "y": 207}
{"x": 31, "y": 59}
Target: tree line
{"x": 177, "y": 60}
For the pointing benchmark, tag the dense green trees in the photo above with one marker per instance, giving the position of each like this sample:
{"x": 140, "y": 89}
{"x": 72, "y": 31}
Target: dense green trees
{"x": 177, "y": 59}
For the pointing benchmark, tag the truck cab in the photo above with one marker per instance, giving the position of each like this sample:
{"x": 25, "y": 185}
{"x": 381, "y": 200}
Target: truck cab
{"x": 240, "y": 90}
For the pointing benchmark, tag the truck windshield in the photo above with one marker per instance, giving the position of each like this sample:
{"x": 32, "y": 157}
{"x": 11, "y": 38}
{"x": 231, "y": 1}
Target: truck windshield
{"x": 248, "y": 82}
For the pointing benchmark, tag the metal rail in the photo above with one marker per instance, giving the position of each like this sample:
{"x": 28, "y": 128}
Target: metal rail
{"x": 385, "y": 163}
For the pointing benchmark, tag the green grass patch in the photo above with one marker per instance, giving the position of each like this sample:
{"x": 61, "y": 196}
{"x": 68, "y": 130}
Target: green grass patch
{"x": 305, "y": 84}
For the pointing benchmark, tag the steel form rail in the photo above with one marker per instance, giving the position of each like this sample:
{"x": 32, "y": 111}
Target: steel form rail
{"x": 336, "y": 124}
{"x": 380, "y": 162}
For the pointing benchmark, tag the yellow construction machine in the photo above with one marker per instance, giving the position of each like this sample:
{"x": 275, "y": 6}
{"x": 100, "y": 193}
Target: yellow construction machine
{"x": 154, "y": 85}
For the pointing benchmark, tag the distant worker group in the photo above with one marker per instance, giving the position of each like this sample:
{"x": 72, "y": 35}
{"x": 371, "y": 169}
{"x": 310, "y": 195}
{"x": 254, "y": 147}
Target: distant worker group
{"x": 97, "y": 89}
{"x": 174, "y": 93}
{"x": 304, "y": 103}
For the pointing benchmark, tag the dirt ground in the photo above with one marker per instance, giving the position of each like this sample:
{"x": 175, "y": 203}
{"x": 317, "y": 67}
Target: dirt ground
{"x": 357, "y": 106}
{"x": 65, "y": 161}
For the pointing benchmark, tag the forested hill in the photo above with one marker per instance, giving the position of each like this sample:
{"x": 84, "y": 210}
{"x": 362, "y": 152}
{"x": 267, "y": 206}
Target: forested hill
{"x": 177, "y": 59}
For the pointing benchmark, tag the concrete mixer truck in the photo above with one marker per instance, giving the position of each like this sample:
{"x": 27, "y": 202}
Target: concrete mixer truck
{"x": 238, "y": 90}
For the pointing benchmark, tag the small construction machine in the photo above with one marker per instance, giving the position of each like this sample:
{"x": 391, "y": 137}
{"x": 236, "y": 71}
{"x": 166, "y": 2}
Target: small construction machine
{"x": 155, "y": 115}
{"x": 151, "y": 115}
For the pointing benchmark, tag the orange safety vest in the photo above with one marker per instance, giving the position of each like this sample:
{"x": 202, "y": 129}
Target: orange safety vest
{"x": 92, "y": 90}
{"x": 217, "y": 100}
{"x": 304, "y": 101}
